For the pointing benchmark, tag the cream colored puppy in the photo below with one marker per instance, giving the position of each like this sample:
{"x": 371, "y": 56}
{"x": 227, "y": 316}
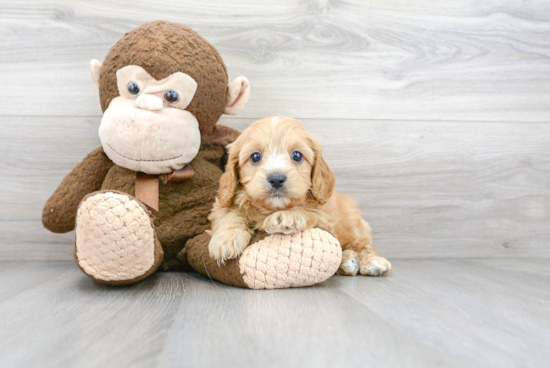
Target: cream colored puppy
{"x": 276, "y": 180}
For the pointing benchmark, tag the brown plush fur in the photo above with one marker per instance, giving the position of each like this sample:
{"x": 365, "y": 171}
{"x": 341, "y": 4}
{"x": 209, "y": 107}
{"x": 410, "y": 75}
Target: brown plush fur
{"x": 163, "y": 48}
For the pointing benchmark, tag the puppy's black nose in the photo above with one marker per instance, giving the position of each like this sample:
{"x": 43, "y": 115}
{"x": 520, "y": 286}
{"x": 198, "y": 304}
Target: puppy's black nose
{"x": 276, "y": 180}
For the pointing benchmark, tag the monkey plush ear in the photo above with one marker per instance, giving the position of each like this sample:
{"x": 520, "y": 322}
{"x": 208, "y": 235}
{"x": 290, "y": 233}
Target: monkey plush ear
{"x": 237, "y": 95}
{"x": 95, "y": 69}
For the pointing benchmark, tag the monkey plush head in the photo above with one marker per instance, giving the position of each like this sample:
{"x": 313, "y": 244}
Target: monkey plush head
{"x": 162, "y": 87}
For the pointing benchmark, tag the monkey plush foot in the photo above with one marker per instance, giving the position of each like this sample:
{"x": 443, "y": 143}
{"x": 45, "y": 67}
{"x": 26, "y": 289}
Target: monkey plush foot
{"x": 115, "y": 239}
{"x": 272, "y": 261}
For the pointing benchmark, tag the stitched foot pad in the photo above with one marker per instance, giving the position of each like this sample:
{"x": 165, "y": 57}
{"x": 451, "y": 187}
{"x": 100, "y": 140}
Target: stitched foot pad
{"x": 282, "y": 261}
{"x": 115, "y": 240}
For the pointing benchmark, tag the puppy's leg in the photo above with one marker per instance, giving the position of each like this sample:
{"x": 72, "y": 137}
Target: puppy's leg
{"x": 355, "y": 236}
{"x": 230, "y": 234}
{"x": 350, "y": 263}
{"x": 370, "y": 264}
{"x": 284, "y": 222}
{"x": 292, "y": 221}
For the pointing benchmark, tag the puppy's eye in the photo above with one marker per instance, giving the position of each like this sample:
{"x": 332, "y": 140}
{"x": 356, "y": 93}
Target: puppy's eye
{"x": 133, "y": 88}
{"x": 297, "y": 156}
{"x": 171, "y": 96}
{"x": 255, "y": 157}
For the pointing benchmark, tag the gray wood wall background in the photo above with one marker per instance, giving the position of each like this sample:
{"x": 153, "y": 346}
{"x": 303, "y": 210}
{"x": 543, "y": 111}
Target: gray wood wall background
{"x": 435, "y": 114}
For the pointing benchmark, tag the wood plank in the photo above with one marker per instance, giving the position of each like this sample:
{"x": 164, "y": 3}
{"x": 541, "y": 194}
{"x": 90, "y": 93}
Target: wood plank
{"x": 174, "y": 317}
{"x": 17, "y": 277}
{"x": 29, "y": 241}
{"x": 320, "y": 326}
{"x": 452, "y": 313}
{"x": 317, "y": 59}
{"x": 72, "y": 321}
{"x": 491, "y": 313}
{"x": 429, "y": 190}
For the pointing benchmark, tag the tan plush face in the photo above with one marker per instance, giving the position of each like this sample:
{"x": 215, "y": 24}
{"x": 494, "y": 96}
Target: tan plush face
{"x": 146, "y": 128}
{"x": 276, "y": 161}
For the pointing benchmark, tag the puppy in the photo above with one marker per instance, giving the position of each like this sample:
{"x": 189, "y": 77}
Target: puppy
{"x": 276, "y": 180}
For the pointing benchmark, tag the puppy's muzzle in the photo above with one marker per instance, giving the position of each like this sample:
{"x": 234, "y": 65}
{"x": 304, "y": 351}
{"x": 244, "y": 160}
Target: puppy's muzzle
{"x": 276, "y": 180}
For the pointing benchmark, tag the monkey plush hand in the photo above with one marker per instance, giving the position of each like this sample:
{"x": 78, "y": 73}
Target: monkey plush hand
{"x": 137, "y": 201}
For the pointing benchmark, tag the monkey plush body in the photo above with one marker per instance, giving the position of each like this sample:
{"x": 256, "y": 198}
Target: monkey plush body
{"x": 141, "y": 201}
{"x": 183, "y": 206}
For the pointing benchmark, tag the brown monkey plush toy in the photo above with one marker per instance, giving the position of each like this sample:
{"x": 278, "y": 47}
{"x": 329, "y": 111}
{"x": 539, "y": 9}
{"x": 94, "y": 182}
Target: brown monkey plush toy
{"x": 141, "y": 201}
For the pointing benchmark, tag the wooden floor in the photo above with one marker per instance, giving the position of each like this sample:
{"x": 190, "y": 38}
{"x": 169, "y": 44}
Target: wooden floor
{"x": 464, "y": 313}
{"x": 434, "y": 116}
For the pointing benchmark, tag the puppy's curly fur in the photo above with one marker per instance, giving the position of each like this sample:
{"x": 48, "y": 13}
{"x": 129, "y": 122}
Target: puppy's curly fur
{"x": 276, "y": 180}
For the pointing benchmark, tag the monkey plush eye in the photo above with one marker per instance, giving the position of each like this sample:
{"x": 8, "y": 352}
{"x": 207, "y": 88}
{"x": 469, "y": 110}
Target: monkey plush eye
{"x": 255, "y": 157}
{"x": 297, "y": 156}
{"x": 171, "y": 96}
{"x": 133, "y": 88}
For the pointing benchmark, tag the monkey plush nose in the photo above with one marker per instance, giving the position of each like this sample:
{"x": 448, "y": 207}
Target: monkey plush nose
{"x": 276, "y": 180}
{"x": 149, "y": 102}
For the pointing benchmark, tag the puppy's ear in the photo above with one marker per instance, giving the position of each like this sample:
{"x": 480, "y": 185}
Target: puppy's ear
{"x": 322, "y": 178}
{"x": 228, "y": 181}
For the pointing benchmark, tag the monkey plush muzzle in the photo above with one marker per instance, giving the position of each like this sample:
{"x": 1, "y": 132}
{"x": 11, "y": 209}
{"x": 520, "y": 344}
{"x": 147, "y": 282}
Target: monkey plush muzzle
{"x": 145, "y": 137}
{"x": 149, "y": 102}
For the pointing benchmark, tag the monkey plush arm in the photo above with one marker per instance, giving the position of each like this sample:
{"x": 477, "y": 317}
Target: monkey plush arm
{"x": 60, "y": 210}
{"x": 214, "y": 147}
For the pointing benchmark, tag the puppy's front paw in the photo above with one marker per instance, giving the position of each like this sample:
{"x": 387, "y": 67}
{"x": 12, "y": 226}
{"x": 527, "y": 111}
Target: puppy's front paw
{"x": 375, "y": 266}
{"x": 228, "y": 244}
{"x": 350, "y": 263}
{"x": 284, "y": 222}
